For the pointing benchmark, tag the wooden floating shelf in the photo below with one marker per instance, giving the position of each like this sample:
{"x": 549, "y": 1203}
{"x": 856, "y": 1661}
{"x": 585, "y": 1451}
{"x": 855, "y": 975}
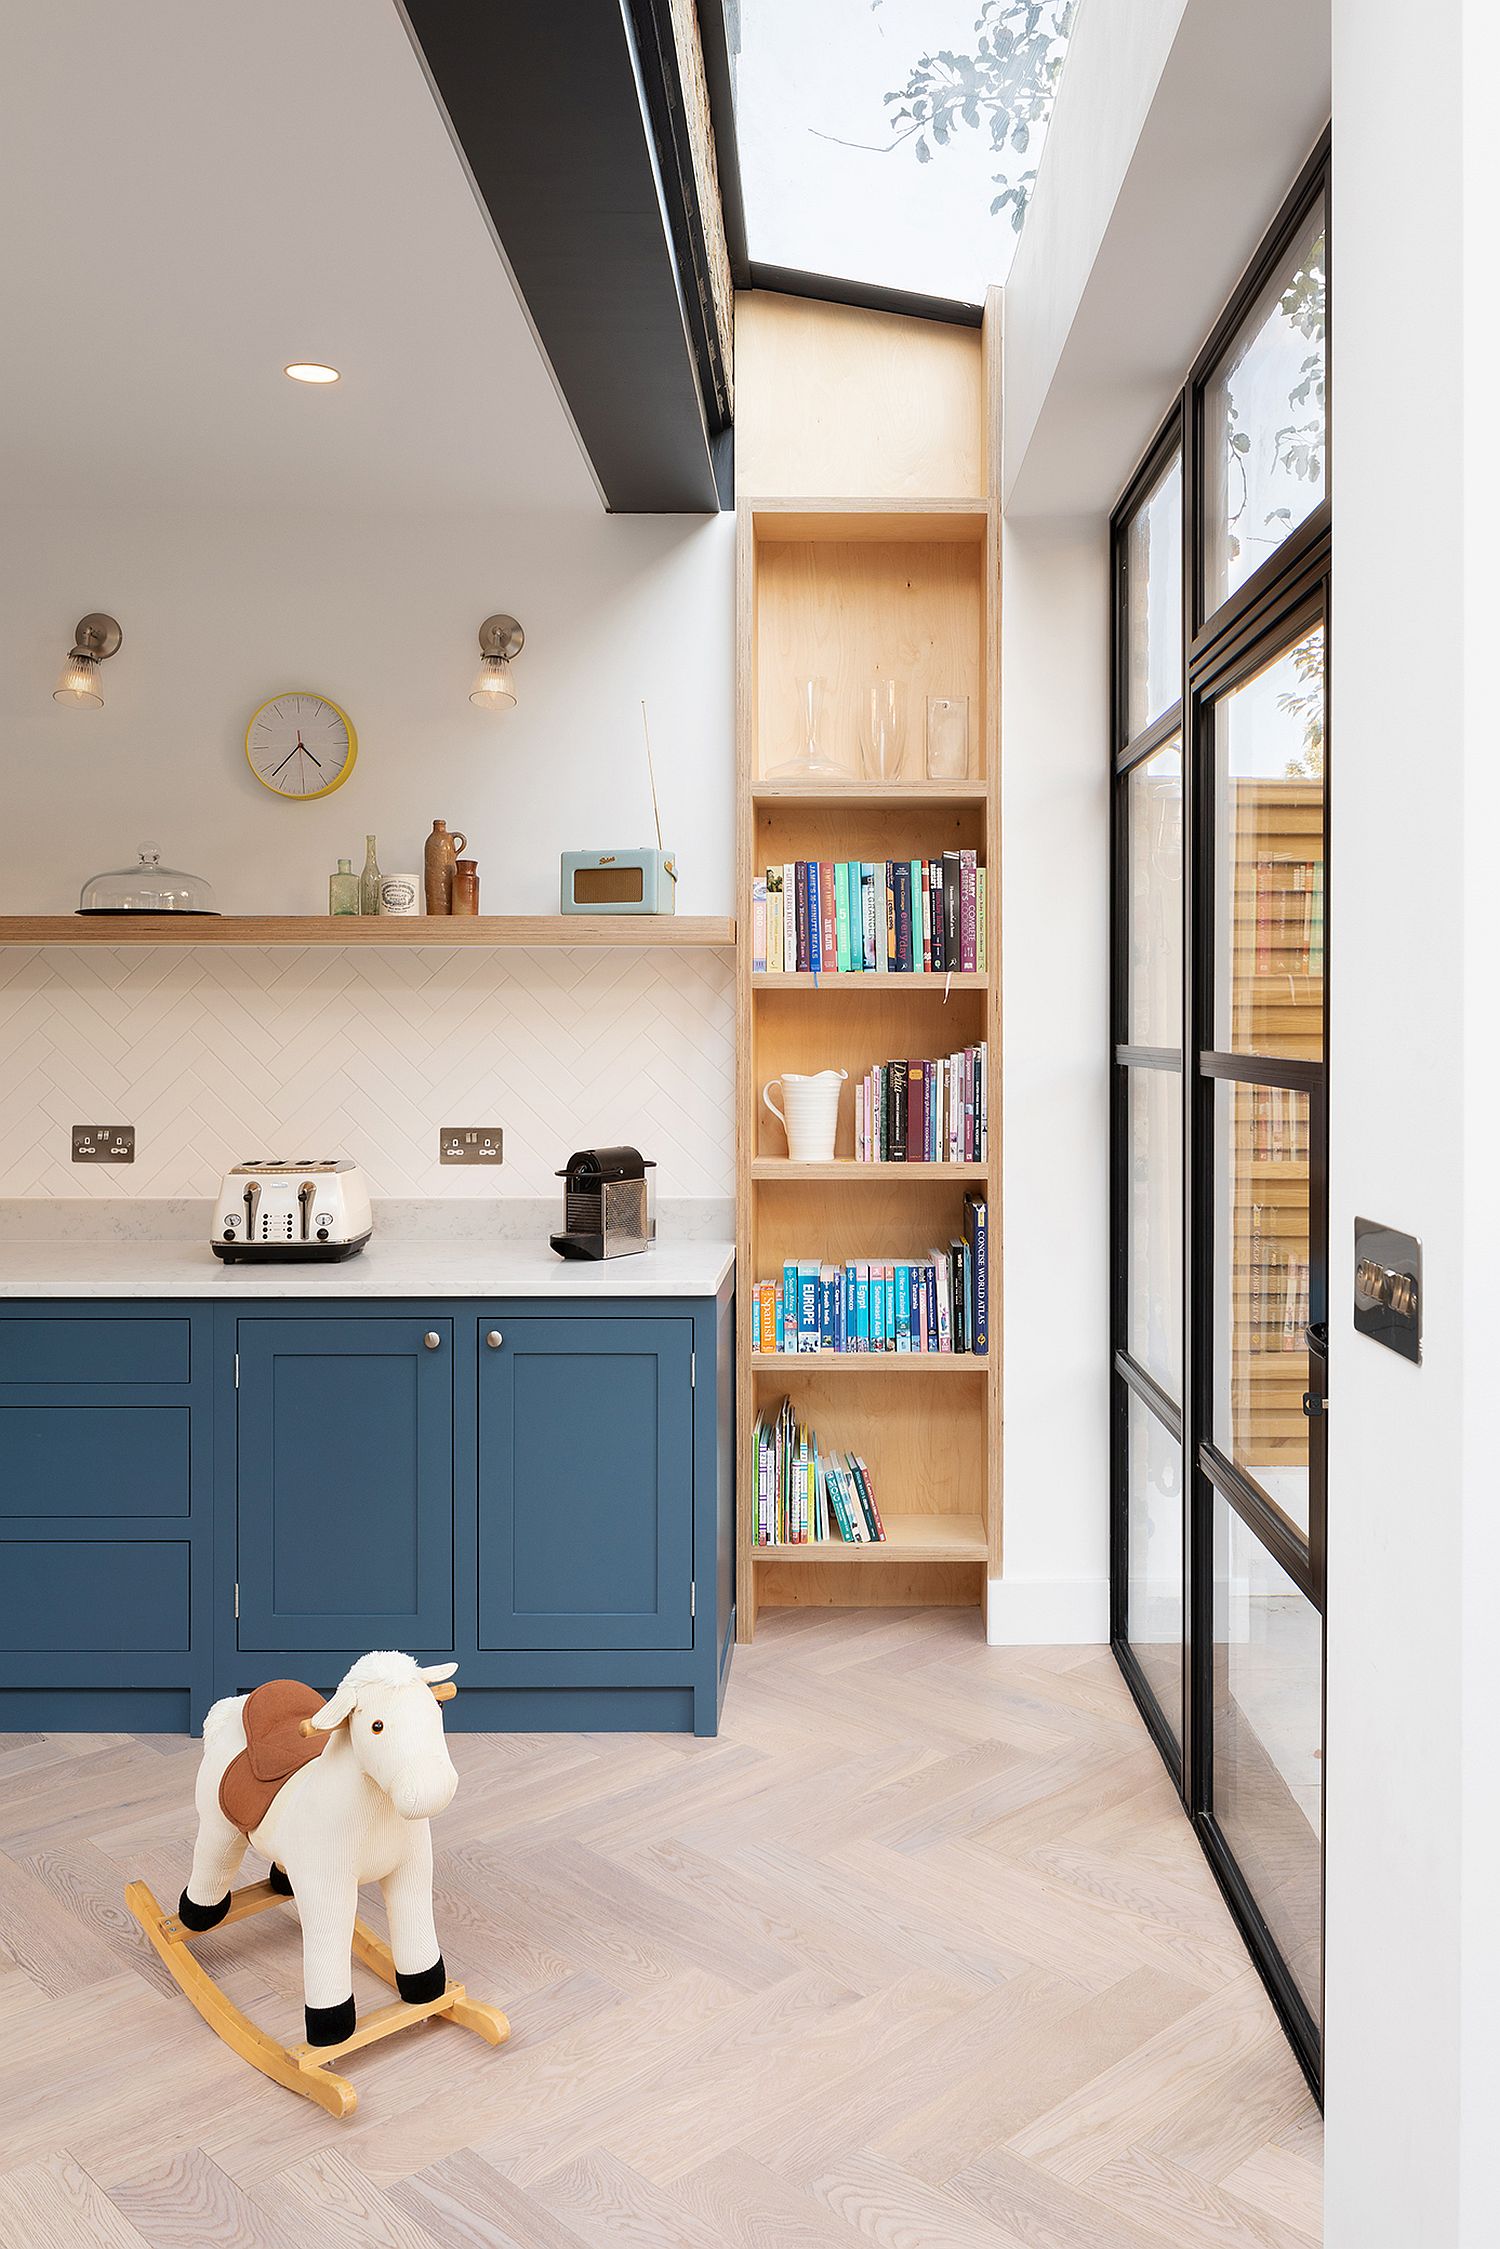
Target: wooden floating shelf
{"x": 669, "y": 931}
{"x": 857, "y": 792}
{"x": 908, "y": 1538}
{"x": 868, "y": 1362}
{"x": 871, "y": 980}
{"x": 845, "y": 1171}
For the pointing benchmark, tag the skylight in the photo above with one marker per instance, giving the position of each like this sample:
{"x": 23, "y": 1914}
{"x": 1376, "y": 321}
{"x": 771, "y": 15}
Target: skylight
{"x": 893, "y": 142}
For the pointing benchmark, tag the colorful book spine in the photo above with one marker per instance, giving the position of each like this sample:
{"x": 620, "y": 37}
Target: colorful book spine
{"x": 828, "y": 911}
{"x": 814, "y": 919}
{"x": 758, "y": 959}
{"x": 977, "y": 1234}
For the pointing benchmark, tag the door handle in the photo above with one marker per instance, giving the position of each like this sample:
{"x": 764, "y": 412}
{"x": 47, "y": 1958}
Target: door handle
{"x": 1316, "y": 1339}
{"x": 432, "y": 1339}
{"x": 494, "y": 1339}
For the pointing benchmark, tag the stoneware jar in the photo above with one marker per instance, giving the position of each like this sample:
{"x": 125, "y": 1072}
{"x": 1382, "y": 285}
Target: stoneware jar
{"x": 439, "y": 857}
{"x": 400, "y": 894}
{"x": 466, "y": 886}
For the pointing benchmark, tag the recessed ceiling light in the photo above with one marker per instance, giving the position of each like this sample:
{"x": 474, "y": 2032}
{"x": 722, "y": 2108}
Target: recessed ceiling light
{"x": 304, "y": 371}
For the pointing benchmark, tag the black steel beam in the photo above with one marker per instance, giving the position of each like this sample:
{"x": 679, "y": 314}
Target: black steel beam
{"x": 546, "y": 104}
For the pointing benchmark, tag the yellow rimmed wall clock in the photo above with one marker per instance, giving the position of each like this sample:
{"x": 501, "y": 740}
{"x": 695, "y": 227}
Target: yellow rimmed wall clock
{"x": 300, "y": 745}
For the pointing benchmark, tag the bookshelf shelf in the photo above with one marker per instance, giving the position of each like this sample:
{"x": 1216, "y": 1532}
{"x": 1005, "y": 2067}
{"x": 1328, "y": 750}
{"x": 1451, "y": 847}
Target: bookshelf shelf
{"x": 868, "y": 793}
{"x": 959, "y": 980}
{"x": 908, "y": 1538}
{"x": 442, "y": 930}
{"x": 844, "y": 1171}
{"x": 852, "y": 592}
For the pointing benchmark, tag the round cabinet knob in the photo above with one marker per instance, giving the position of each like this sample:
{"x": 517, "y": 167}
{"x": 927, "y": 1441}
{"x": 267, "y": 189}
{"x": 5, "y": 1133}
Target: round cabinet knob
{"x": 494, "y": 1339}
{"x": 432, "y": 1339}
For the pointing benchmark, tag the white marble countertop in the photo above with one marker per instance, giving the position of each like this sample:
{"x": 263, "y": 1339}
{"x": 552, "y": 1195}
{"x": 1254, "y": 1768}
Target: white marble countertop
{"x": 384, "y": 1268}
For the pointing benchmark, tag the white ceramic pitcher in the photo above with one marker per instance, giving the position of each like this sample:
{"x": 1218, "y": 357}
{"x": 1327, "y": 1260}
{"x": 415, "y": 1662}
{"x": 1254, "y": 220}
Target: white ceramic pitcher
{"x": 810, "y": 1119}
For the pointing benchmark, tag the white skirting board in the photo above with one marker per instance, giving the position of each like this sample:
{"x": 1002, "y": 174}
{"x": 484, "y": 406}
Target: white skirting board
{"x": 1048, "y": 1612}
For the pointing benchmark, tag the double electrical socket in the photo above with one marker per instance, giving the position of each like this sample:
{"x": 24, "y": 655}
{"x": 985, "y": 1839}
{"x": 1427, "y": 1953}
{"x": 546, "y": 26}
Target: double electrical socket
{"x": 471, "y": 1144}
{"x": 104, "y": 1144}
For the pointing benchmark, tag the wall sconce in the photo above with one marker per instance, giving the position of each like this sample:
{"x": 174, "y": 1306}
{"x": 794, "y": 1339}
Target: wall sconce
{"x": 500, "y": 638}
{"x": 95, "y": 637}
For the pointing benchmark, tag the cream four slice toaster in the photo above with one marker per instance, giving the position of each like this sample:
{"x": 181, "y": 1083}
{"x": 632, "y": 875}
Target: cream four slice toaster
{"x": 272, "y": 1210}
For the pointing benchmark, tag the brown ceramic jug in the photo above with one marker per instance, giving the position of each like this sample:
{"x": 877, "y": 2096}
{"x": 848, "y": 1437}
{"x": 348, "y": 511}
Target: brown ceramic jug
{"x": 466, "y": 887}
{"x": 439, "y": 857}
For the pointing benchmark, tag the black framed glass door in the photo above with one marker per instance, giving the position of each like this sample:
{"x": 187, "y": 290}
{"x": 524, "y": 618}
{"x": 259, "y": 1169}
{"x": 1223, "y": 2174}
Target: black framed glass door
{"x": 1220, "y": 1120}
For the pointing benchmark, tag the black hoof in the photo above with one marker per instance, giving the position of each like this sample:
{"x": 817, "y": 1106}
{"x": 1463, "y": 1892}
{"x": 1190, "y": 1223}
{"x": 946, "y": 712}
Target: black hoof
{"x": 427, "y": 1983}
{"x": 330, "y": 2026}
{"x": 280, "y": 1881}
{"x": 202, "y": 1916}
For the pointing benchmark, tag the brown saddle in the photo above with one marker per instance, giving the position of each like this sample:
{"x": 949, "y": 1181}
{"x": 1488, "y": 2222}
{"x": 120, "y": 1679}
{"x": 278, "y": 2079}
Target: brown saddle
{"x": 275, "y": 1748}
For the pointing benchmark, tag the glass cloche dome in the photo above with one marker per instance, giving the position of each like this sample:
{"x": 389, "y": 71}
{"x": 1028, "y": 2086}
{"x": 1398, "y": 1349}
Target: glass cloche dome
{"x": 147, "y": 888}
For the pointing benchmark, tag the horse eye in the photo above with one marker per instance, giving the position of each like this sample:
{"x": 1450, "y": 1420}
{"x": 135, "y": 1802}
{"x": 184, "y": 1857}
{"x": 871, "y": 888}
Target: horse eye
{"x": 377, "y": 1725}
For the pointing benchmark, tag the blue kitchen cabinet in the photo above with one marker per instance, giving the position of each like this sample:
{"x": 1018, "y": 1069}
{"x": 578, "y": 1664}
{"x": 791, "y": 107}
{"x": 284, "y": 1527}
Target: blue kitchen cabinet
{"x": 195, "y": 1497}
{"x": 106, "y": 1516}
{"x": 344, "y": 1516}
{"x": 586, "y": 1483}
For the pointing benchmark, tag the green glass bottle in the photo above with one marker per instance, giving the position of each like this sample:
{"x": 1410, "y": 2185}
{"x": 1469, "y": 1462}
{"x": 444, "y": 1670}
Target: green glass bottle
{"x": 369, "y": 881}
{"x": 343, "y": 890}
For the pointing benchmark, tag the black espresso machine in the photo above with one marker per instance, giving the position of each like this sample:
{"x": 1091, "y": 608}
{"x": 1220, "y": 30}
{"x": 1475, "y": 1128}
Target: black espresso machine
{"x": 609, "y": 1204}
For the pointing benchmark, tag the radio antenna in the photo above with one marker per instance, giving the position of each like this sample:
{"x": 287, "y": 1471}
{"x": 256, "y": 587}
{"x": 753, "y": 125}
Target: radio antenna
{"x": 651, "y": 773}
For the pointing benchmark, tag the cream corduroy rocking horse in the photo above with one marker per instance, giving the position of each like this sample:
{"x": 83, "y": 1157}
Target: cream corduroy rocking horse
{"x": 334, "y": 1794}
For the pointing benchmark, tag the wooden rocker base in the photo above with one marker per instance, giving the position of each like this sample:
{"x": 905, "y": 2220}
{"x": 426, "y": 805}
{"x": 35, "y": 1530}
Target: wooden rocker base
{"x": 301, "y": 2069}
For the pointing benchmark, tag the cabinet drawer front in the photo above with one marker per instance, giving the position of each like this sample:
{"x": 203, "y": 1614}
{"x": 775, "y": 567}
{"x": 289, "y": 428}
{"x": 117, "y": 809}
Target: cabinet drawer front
{"x": 102, "y": 1350}
{"x": 94, "y": 1596}
{"x": 93, "y": 1460}
{"x": 345, "y": 1484}
{"x": 586, "y": 1484}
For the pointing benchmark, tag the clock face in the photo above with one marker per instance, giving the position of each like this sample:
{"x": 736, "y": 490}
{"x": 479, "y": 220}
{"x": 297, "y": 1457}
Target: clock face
{"x": 300, "y": 745}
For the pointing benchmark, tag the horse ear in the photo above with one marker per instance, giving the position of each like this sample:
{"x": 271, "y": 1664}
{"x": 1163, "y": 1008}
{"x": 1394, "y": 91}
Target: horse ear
{"x": 338, "y": 1708}
{"x": 436, "y": 1671}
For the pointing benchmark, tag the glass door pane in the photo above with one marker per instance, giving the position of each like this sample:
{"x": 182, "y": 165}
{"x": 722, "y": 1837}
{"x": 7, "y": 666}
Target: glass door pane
{"x": 1264, "y": 430}
{"x": 1153, "y": 814}
{"x": 1155, "y": 1591}
{"x": 1153, "y": 1227}
{"x": 1153, "y": 602}
{"x": 1262, "y": 1293}
{"x": 1269, "y": 854}
{"x": 1268, "y": 1742}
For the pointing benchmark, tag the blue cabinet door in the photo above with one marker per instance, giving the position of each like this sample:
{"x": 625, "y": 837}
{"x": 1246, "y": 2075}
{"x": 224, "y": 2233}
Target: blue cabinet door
{"x": 586, "y": 1483}
{"x": 345, "y": 1445}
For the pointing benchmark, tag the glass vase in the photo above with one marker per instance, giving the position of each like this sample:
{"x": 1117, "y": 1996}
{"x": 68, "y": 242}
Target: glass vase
{"x": 883, "y": 741}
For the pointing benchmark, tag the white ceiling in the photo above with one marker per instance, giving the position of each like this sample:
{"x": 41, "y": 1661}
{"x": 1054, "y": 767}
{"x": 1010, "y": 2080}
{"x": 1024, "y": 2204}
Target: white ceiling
{"x": 197, "y": 192}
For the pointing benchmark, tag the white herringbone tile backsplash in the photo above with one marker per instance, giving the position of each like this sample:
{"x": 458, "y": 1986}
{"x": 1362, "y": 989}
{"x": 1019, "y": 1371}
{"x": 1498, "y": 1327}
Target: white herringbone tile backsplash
{"x": 215, "y": 1055}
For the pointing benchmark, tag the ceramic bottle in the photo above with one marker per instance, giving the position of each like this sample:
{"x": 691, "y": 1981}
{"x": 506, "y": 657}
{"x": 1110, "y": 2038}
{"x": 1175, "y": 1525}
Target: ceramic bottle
{"x": 439, "y": 858}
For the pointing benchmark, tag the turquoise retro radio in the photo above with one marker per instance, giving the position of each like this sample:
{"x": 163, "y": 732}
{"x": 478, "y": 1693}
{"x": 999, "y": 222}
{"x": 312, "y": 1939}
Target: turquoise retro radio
{"x": 619, "y": 882}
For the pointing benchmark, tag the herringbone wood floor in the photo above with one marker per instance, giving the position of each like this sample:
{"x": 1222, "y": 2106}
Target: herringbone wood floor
{"x": 919, "y": 1952}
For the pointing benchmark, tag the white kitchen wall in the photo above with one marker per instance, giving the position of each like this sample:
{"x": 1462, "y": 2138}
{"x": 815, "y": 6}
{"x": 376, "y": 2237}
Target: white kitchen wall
{"x": 215, "y": 1056}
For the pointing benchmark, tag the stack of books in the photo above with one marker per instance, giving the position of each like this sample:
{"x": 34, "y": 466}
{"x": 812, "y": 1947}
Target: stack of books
{"x": 803, "y": 1493}
{"x": 885, "y": 916}
{"x": 928, "y": 1112}
{"x": 936, "y": 1303}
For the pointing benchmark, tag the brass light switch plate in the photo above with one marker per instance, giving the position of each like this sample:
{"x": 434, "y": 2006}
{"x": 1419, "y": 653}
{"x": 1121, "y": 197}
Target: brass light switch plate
{"x": 1388, "y": 1288}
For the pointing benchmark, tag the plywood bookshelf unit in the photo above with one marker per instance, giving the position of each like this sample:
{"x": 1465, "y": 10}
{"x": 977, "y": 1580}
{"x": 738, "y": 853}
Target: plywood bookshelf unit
{"x": 849, "y": 590}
